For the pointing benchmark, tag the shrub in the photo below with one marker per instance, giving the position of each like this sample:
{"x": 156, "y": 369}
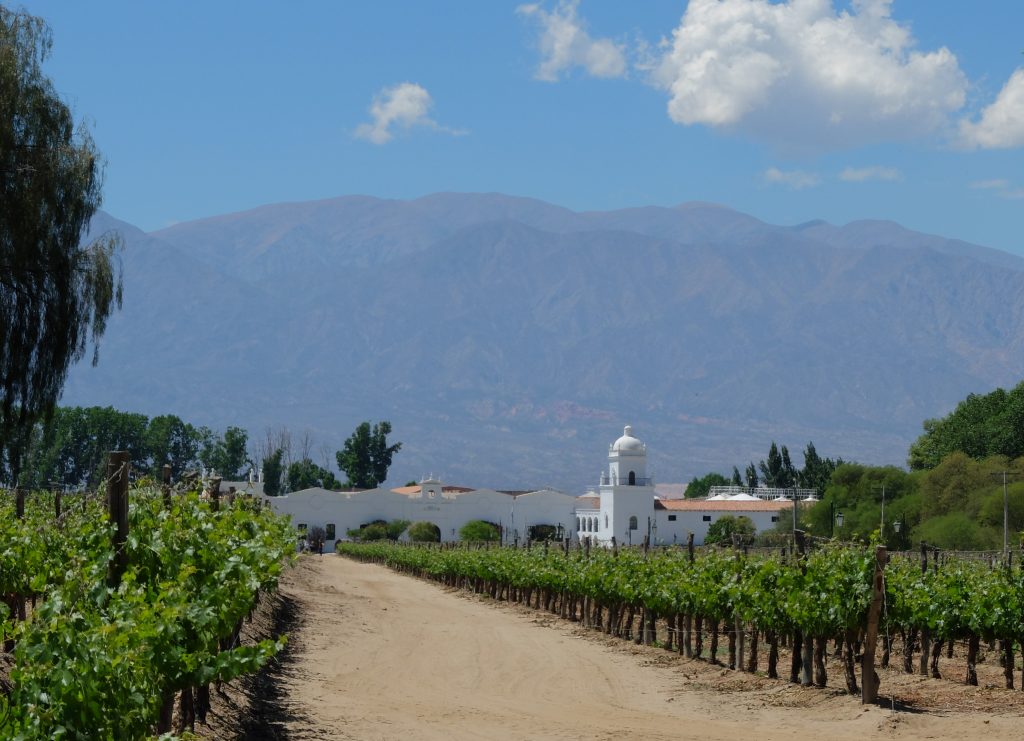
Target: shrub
{"x": 479, "y": 530}
{"x": 424, "y": 532}
{"x": 722, "y": 530}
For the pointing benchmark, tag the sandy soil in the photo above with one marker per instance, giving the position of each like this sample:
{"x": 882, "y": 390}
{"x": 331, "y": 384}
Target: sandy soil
{"x": 384, "y": 656}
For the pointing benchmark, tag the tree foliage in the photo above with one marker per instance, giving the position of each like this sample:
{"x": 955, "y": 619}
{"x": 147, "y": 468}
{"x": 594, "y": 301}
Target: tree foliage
{"x": 171, "y": 441}
{"x": 55, "y": 293}
{"x": 777, "y": 470}
{"x": 424, "y": 532}
{"x": 982, "y": 425}
{"x": 70, "y": 448}
{"x": 698, "y": 488}
{"x": 273, "y": 471}
{"x": 306, "y": 474}
{"x": 379, "y": 530}
{"x": 751, "y": 475}
{"x": 817, "y": 471}
{"x": 479, "y": 531}
{"x": 366, "y": 457}
{"x": 725, "y": 527}
{"x": 226, "y": 455}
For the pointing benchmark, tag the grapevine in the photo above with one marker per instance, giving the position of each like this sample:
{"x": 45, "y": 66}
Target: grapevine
{"x": 92, "y": 661}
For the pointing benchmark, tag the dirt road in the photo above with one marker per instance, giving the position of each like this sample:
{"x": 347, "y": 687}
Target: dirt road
{"x": 385, "y": 656}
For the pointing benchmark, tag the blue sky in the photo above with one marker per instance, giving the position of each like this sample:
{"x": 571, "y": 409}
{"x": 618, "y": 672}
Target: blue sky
{"x": 907, "y": 110}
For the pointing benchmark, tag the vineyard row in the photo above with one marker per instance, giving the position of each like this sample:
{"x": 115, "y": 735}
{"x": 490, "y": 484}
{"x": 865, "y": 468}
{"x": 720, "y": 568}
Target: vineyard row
{"x": 850, "y": 595}
{"x": 117, "y": 609}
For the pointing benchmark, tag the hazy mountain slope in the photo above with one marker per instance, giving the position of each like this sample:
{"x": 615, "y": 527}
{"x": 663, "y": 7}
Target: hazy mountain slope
{"x": 508, "y": 340}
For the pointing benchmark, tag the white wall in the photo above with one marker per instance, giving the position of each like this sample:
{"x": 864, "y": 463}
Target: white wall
{"x": 688, "y": 521}
{"x": 347, "y": 511}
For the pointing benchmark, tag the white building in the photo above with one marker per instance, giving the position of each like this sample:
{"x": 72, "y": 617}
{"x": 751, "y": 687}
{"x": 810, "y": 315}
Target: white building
{"x": 625, "y": 506}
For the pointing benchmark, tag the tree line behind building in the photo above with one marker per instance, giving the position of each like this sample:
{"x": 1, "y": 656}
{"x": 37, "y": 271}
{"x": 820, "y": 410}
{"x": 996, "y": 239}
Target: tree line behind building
{"x": 70, "y": 451}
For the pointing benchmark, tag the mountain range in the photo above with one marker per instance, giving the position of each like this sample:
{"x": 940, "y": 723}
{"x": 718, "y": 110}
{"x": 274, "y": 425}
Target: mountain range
{"x": 509, "y": 340}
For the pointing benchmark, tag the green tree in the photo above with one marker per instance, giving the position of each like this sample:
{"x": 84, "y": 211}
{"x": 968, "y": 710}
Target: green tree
{"x": 71, "y": 447}
{"x": 366, "y": 457}
{"x": 722, "y": 530}
{"x": 170, "y": 440}
{"x": 982, "y": 425}
{"x": 476, "y": 531}
{"x": 273, "y": 472}
{"x": 751, "y": 475}
{"x": 698, "y": 488}
{"x": 817, "y": 471}
{"x": 306, "y": 474}
{"x": 225, "y": 455}
{"x": 856, "y": 491}
{"x": 737, "y": 480}
{"x": 777, "y": 470}
{"x": 55, "y": 293}
{"x": 424, "y": 532}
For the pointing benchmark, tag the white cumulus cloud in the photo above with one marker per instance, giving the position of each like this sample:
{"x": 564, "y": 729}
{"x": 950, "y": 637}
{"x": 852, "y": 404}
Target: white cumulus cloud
{"x": 803, "y": 75}
{"x": 995, "y": 183}
{"x": 401, "y": 106}
{"x": 875, "y": 172}
{"x": 1001, "y": 125}
{"x": 795, "y": 179}
{"x": 564, "y": 43}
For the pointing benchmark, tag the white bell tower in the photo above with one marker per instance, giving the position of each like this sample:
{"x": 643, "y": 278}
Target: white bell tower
{"x": 627, "y": 492}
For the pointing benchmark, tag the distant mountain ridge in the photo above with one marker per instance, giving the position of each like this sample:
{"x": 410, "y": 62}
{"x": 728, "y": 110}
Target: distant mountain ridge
{"x": 508, "y": 340}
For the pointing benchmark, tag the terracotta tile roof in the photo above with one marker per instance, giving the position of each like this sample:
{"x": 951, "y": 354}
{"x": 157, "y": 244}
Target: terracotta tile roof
{"x": 588, "y": 502}
{"x": 704, "y": 505}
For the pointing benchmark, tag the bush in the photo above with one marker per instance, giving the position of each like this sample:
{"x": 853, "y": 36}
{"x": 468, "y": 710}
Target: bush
{"x": 367, "y": 533}
{"x": 479, "y": 530}
{"x": 424, "y": 532}
{"x": 379, "y": 530}
{"x": 722, "y": 530}
{"x": 395, "y": 528}
{"x": 957, "y": 531}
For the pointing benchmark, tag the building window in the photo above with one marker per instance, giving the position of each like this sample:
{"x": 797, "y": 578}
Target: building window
{"x": 578, "y": 524}
{"x": 606, "y": 522}
{"x": 632, "y": 478}
{"x": 671, "y": 518}
{"x": 632, "y": 522}
{"x": 330, "y": 531}
{"x": 775, "y": 518}
{"x": 706, "y": 518}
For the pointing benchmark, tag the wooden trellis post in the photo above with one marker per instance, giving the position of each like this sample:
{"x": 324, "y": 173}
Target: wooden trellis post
{"x": 215, "y": 494}
{"x": 117, "y": 509}
{"x": 166, "y": 486}
{"x": 869, "y": 677}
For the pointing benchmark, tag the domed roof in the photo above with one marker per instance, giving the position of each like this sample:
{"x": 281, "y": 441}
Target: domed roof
{"x": 627, "y": 443}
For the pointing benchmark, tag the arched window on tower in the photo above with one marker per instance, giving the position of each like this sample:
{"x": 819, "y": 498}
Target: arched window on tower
{"x": 578, "y": 523}
{"x": 632, "y": 522}
{"x": 606, "y": 522}
{"x": 632, "y": 478}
